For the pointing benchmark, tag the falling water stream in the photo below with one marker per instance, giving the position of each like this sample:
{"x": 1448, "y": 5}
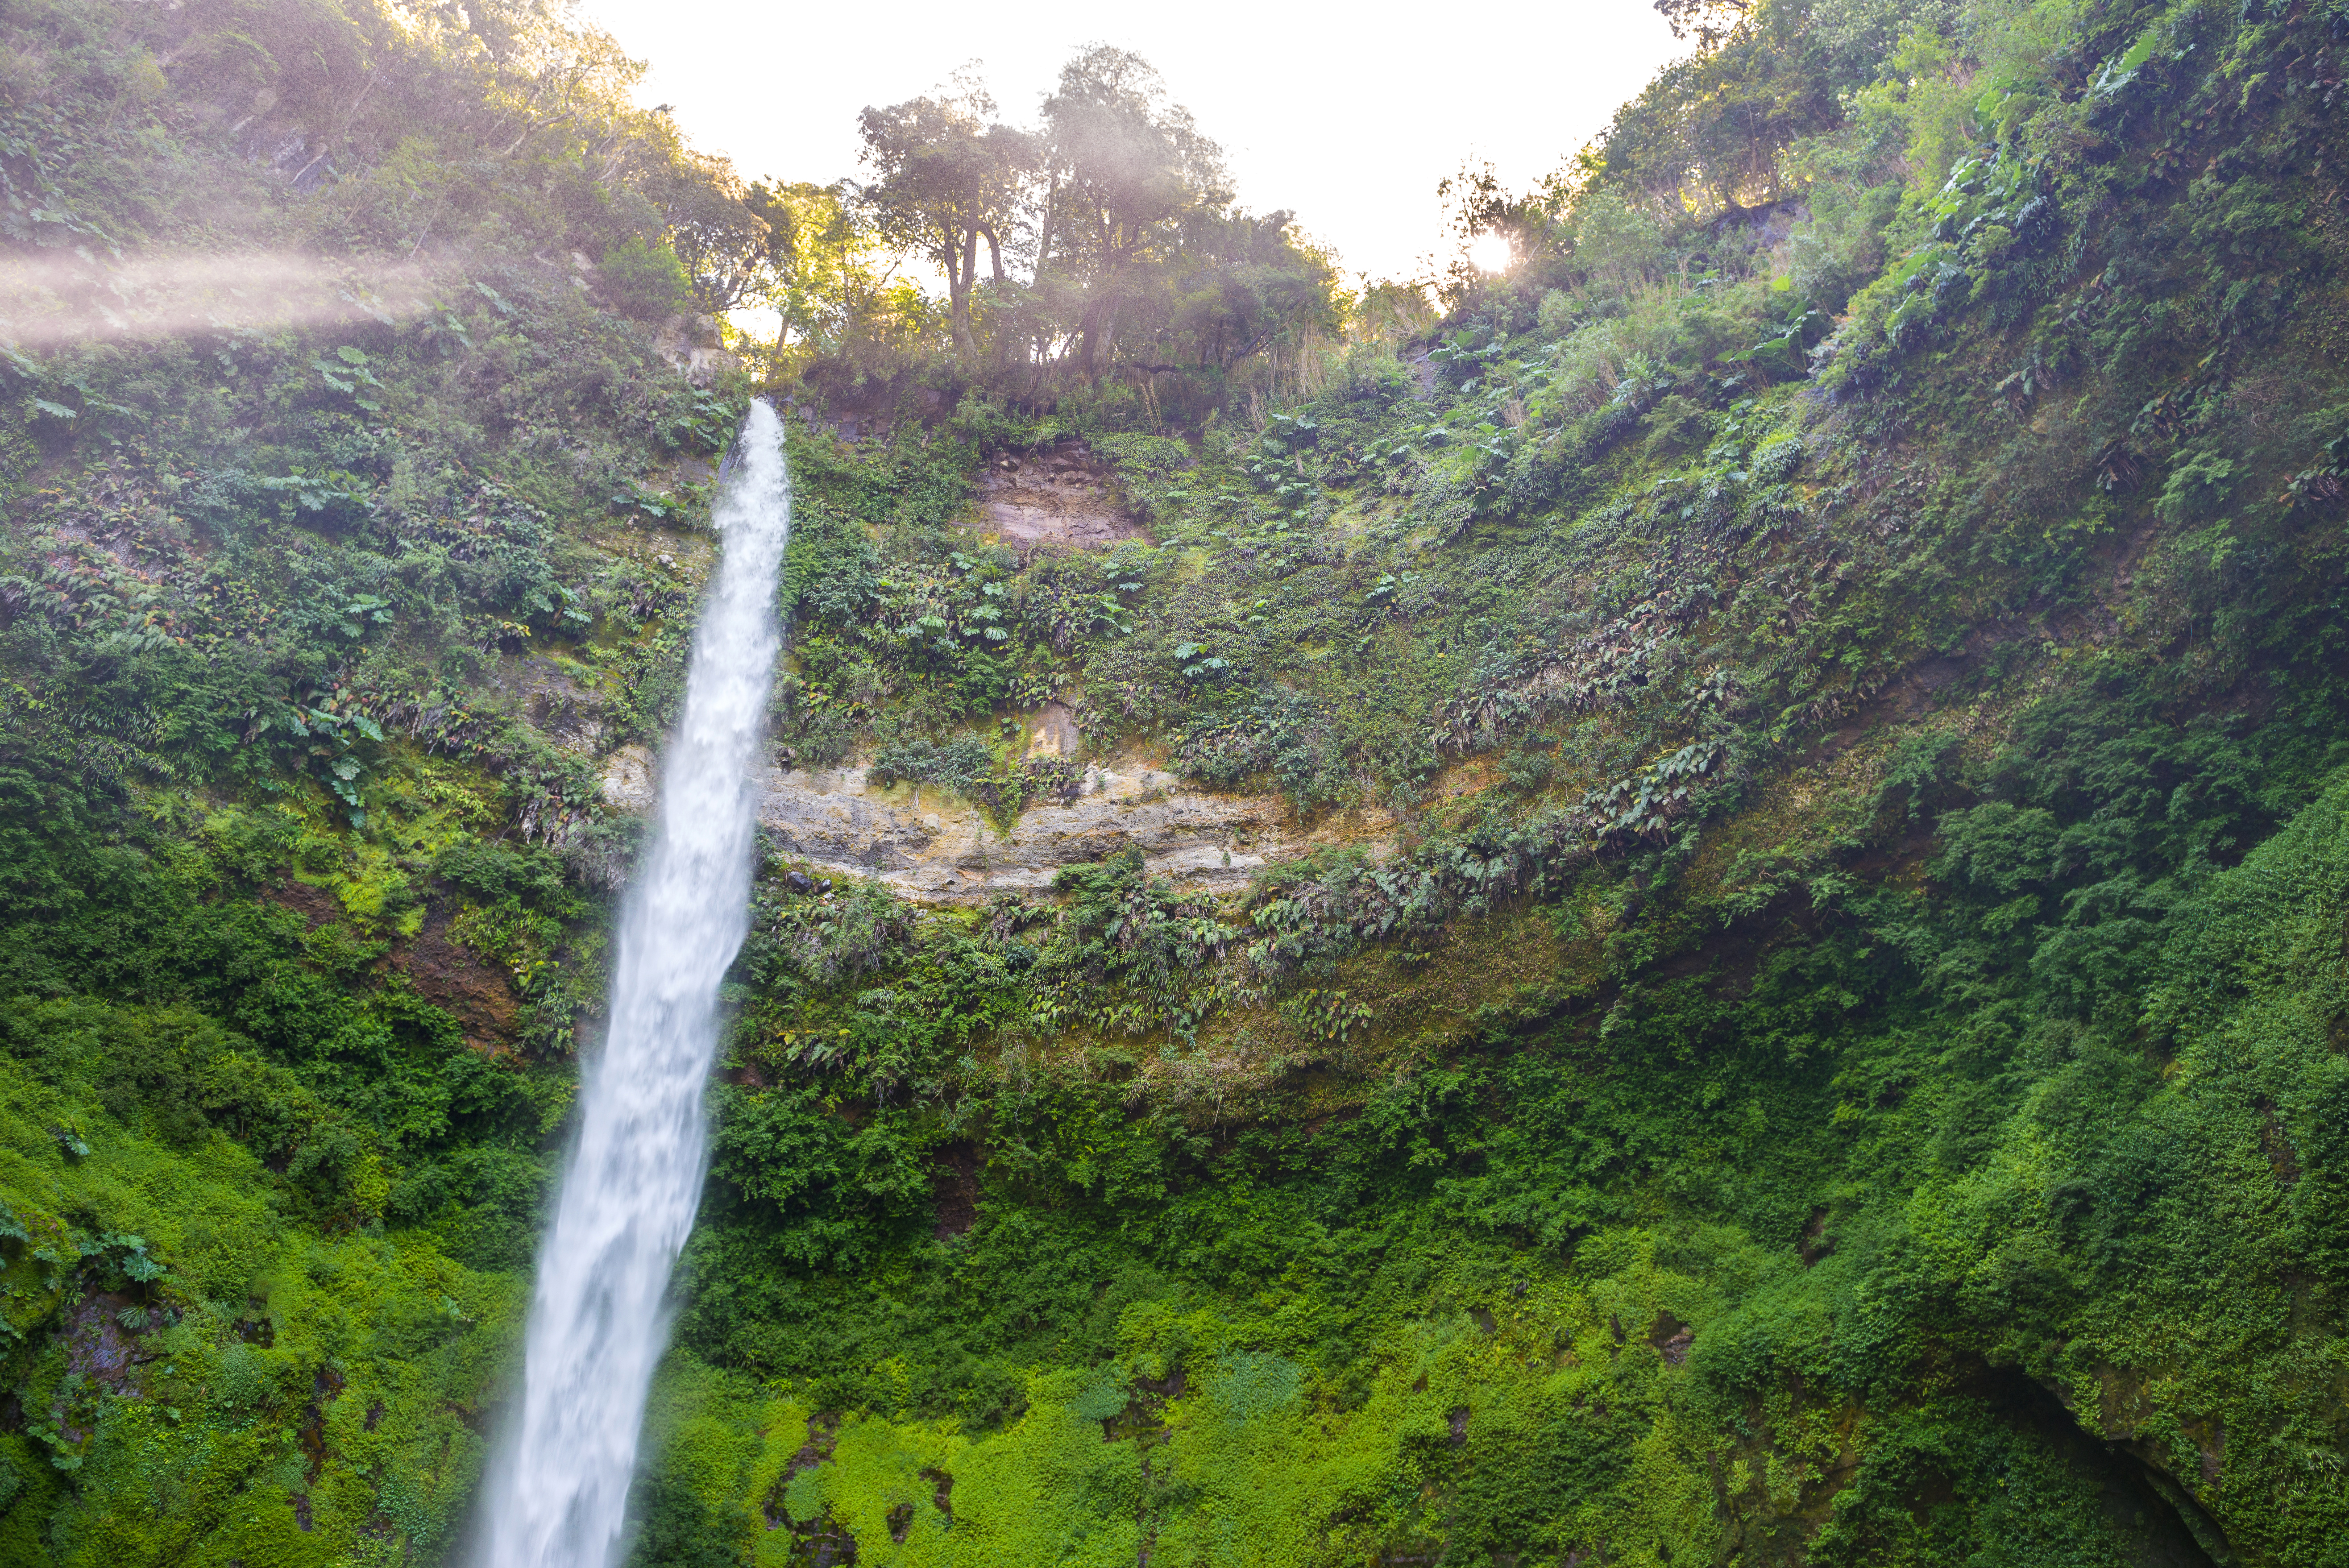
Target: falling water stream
{"x": 597, "y": 1324}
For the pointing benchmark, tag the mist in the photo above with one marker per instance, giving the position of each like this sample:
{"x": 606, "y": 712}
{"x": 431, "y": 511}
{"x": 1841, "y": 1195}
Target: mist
{"x": 53, "y": 301}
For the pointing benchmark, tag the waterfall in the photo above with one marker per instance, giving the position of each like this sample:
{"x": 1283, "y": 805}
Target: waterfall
{"x": 598, "y": 1325}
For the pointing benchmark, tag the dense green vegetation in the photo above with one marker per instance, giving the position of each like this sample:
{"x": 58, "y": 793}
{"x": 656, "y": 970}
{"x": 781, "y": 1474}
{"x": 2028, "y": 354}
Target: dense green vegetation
{"x": 1830, "y": 1050}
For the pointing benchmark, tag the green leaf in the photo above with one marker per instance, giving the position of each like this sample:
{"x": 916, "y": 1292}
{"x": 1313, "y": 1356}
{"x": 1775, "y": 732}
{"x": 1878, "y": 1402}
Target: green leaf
{"x": 2122, "y": 71}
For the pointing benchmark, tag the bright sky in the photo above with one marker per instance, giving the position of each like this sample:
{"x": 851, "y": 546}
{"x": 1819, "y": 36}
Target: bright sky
{"x": 1349, "y": 118}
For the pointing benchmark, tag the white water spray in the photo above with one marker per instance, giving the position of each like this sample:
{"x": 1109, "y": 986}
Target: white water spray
{"x": 596, "y": 1326}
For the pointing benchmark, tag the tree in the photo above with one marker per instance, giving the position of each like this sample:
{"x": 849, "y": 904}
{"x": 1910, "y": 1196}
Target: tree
{"x": 832, "y": 279}
{"x": 946, "y": 177}
{"x": 1123, "y": 166}
{"x": 1707, "y": 21}
{"x": 1477, "y": 203}
{"x": 1239, "y": 283}
{"x": 1112, "y": 244}
{"x": 727, "y": 247}
{"x": 1708, "y": 133}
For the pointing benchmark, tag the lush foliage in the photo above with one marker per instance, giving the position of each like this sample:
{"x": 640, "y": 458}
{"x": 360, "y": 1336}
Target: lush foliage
{"x": 1827, "y": 1045}
{"x": 1097, "y": 260}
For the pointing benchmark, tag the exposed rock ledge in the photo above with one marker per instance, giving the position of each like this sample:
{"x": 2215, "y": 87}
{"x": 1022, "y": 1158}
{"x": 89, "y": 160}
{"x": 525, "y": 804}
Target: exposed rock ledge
{"x": 942, "y": 850}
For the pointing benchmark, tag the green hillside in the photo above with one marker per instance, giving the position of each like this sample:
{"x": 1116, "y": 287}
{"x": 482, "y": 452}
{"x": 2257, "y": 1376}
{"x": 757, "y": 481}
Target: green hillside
{"x": 1782, "y": 999}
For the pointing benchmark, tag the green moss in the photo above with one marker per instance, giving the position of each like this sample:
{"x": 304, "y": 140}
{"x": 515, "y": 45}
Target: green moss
{"x": 1822, "y": 1045}
{"x": 257, "y": 1389}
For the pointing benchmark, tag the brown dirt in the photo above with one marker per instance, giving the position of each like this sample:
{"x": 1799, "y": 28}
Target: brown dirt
{"x": 326, "y": 1385}
{"x": 314, "y": 905}
{"x": 470, "y": 988}
{"x": 1061, "y": 496}
{"x": 954, "y": 1185}
{"x": 474, "y": 990}
{"x": 1815, "y": 1242}
{"x": 97, "y": 1345}
{"x": 823, "y": 1541}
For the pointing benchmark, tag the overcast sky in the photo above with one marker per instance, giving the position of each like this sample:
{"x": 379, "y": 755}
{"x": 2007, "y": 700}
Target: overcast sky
{"x": 1347, "y": 116}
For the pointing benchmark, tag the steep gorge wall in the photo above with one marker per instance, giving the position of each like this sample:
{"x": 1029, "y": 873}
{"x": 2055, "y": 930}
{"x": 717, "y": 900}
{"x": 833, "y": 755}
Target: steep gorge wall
{"x": 1775, "y": 995}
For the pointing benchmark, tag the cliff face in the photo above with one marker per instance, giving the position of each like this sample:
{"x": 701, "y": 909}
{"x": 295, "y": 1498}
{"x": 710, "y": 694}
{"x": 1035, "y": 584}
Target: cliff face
{"x": 950, "y": 850}
{"x": 1694, "y": 913}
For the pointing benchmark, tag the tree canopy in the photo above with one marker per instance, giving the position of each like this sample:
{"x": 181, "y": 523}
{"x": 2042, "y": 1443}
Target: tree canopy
{"x": 1099, "y": 248}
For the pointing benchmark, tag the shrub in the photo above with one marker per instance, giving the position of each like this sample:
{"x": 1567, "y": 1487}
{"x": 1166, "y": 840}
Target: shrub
{"x": 647, "y": 280}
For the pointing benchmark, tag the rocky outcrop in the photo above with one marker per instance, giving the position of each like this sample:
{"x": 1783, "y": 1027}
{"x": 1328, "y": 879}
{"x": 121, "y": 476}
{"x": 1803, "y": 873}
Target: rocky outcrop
{"x": 629, "y": 779}
{"x": 931, "y": 846}
{"x": 937, "y": 849}
{"x": 1057, "y": 498}
{"x": 696, "y": 348}
{"x": 556, "y": 696}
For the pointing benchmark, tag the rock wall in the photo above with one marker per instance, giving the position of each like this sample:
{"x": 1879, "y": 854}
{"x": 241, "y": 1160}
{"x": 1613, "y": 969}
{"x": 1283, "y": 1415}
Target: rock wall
{"x": 1062, "y": 497}
{"x": 935, "y": 848}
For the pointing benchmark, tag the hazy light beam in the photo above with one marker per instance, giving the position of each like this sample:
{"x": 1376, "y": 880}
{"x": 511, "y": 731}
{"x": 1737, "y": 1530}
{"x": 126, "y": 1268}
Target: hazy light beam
{"x": 52, "y": 301}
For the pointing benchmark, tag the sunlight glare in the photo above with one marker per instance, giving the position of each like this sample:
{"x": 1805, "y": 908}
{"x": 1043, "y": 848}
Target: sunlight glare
{"x": 1490, "y": 253}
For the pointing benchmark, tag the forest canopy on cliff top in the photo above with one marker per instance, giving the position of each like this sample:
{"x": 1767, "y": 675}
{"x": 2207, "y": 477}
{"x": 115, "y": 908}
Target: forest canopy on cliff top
{"x": 1833, "y": 1052}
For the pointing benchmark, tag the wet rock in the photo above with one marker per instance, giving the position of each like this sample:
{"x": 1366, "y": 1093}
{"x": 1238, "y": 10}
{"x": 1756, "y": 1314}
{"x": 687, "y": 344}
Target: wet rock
{"x": 629, "y": 783}
{"x": 101, "y": 1347}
